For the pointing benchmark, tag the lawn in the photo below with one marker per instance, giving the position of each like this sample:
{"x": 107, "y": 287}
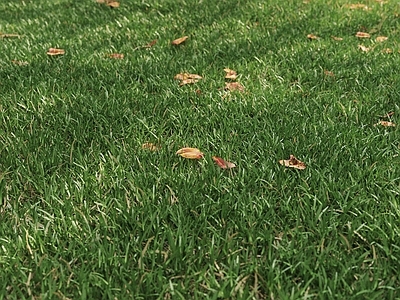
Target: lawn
{"x": 89, "y": 212}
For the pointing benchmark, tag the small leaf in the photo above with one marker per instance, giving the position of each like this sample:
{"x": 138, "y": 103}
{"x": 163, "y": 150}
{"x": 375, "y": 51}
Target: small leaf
{"x": 387, "y": 50}
{"x": 293, "y": 162}
{"x": 151, "y": 44}
{"x": 381, "y": 39}
{"x": 186, "y": 78}
{"x": 363, "y": 35}
{"x": 230, "y": 74}
{"x": 358, "y": 6}
{"x": 55, "y": 51}
{"x": 19, "y": 62}
{"x": 312, "y": 36}
{"x": 116, "y": 55}
{"x": 388, "y": 115}
{"x": 337, "y": 38}
{"x": 113, "y": 4}
{"x": 329, "y": 73}
{"x": 223, "y": 163}
{"x": 179, "y": 40}
{"x": 9, "y": 35}
{"x": 385, "y": 124}
{"x": 363, "y": 48}
{"x": 191, "y": 153}
{"x": 234, "y": 86}
{"x": 150, "y": 146}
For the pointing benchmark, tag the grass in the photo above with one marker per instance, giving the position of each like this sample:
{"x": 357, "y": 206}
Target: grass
{"x": 87, "y": 213}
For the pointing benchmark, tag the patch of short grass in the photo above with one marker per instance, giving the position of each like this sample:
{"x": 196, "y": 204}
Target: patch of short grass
{"x": 87, "y": 213}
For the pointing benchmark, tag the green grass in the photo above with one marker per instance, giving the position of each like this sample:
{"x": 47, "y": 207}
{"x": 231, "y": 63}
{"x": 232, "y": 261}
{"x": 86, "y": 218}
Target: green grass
{"x": 86, "y": 213}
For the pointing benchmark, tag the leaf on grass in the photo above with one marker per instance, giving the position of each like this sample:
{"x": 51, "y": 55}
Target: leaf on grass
{"x": 191, "y": 153}
{"x": 179, "y": 40}
{"x": 230, "y": 74}
{"x": 363, "y": 35}
{"x": 223, "y": 163}
{"x": 385, "y": 124}
{"x": 293, "y": 162}
{"x": 329, "y": 73}
{"x": 381, "y": 39}
{"x": 55, "y": 51}
{"x": 9, "y": 35}
{"x": 312, "y": 36}
{"x": 363, "y": 48}
{"x": 150, "y": 146}
{"x": 113, "y": 4}
{"x": 187, "y": 78}
{"x": 151, "y": 44}
{"x": 357, "y": 6}
{"x": 388, "y": 115}
{"x": 116, "y": 55}
{"x": 387, "y": 50}
{"x": 19, "y": 62}
{"x": 337, "y": 38}
{"x": 234, "y": 86}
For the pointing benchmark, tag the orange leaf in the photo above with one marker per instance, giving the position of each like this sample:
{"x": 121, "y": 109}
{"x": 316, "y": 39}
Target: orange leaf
{"x": 363, "y": 48}
{"x": 223, "y": 163}
{"x": 312, "y": 36}
{"x": 191, "y": 153}
{"x": 385, "y": 124}
{"x": 150, "y": 146}
{"x": 180, "y": 40}
{"x": 234, "y": 86}
{"x": 381, "y": 39}
{"x": 230, "y": 74}
{"x": 293, "y": 162}
{"x": 116, "y": 55}
{"x": 363, "y": 35}
{"x": 55, "y": 51}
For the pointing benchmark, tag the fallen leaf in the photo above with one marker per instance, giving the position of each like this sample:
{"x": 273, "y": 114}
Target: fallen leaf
{"x": 188, "y": 81}
{"x": 381, "y": 39}
{"x": 363, "y": 48}
{"x": 223, "y": 163}
{"x": 312, "y": 36}
{"x": 151, "y": 44}
{"x": 388, "y": 115}
{"x": 385, "y": 124}
{"x": 180, "y": 40}
{"x": 191, "y": 153}
{"x": 358, "y": 6}
{"x": 187, "y": 78}
{"x": 329, "y": 73}
{"x": 363, "y": 35}
{"x": 19, "y": 62}
{"x": 116, "y": 55}
{"x": 9, "y": 35}
{"x": 150, "y": 146}
{"x": 387, "y": 50}
{"x": 230, "y": 74}
{"x": 293, "y": 162}
{"x": 113, "y": 4}
{"x": 337, "y": 38}
{"x": 55, "y": 51}
{"x": 234, "y": 86}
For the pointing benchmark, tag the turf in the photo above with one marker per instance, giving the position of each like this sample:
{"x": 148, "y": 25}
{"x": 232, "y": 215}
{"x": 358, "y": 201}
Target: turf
{"x": 86, "y": 213}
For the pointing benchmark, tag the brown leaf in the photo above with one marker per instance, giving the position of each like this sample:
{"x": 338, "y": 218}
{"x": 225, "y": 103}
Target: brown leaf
{"x": 116, "y": 55}
{"x": 388, "y": 115}
{"x": 363, "y": 48}
{"x": 19, "y": 62}
{"x": 329, "y": 73}
{"x": 151, "y": 44}
{"x": 179, "y": 40}
{"x": 385, "y": 124}
{"x": 312, "y": 36}
{"x": 381, "y": 39}
{"x": 188, "y": 81}
{"x": 187, "y": 78}
{"x": 113, "y": 4}
{"x": 234, "y": 86}
{"x": 55, "y": 51}
{"x": 363, "y": 35}
{"x": 223, "y": 163}
{"x": 230, "y": 74}
{"x": 150, "y": 146}
{"x": 293, "y": 162}
{"x": 191, "y": 153}
{"x": 337, "y": 38}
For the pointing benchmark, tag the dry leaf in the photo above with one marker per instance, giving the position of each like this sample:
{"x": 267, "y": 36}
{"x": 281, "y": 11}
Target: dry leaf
{"x": 230, "y": 74}
{"x": 188, "y": 81}
{"x": 55, "y": 51}
{"x": 312, "y": 36}
{"x": 113, "y": 4}
{"x": 234, "y": 86}
{"x": 9, "y": 35}
{"x": 363, "y": 35}
{"x": 223, "y": 163}
{"x": 180, "y": 40}
{"x": 19, "y": 62}
{"x": 329, "y": 73}
{"x": 191, "y": 153}
{"x": 388, "y": 115}
{"x": 337, "y": 38}
{"x": 150, "y": 146}
{"x": 381, "y": 39}
{"x": 293, "y": 162}
{"x": 187, "y": 78}
{"x": 116, "y": 55}
{"x": 387, "y": 50}
{"x": 385, "y": 124}
{"x": 363, "y": 48}
{"x": 151, "y": 44}
{"x": 358, "y": 6}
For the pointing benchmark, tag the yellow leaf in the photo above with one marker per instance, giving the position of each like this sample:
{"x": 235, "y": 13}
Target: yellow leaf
{"x": 387, "y": 51}
{"x": 191, "y": 153}
{"x": 113, "y": 4}
{"x": 179, "y": 40}
{"x": 363, "y": 35}
{"x": 363, "y": 48}
{"x": 381, "y": 39}
{"x": 55, "y": 51}
{"x": 337, "y": 38}
{"x": 293, "y": 162}
{"x": 312, "y": 36}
